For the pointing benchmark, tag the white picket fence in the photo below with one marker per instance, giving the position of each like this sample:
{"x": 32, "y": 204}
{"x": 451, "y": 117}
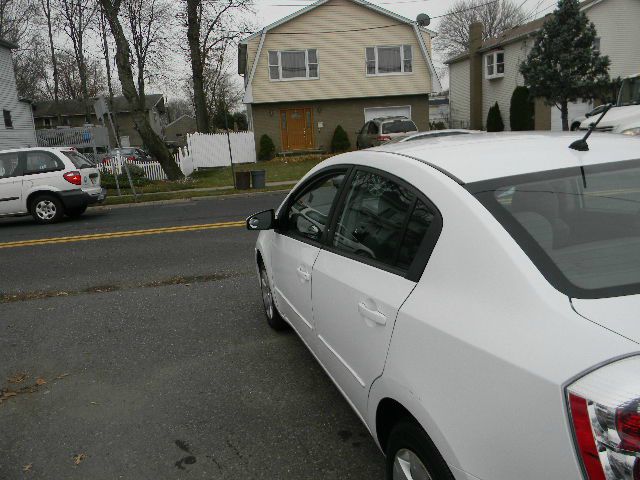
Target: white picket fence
{"x": 202, "y": 151}
{"x": 152, "y": 170}
{"x": 212, "y": 149}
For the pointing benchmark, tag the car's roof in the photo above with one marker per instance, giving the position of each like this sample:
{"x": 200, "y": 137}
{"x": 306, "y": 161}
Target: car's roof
{"x": 473, "y": 158}
{"x": 39, "y": 149}
{"x": 393, "y": 117}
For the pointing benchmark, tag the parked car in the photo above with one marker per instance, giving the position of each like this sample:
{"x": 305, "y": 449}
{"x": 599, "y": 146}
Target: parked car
{"x": 451, "y": 132}
{"x": 380, "y": 130}
{"x": 575, "y": 122}
{"x": 128, "y": 153}
{"x": 493, "y": 332}
{"x": 47, "y": 183}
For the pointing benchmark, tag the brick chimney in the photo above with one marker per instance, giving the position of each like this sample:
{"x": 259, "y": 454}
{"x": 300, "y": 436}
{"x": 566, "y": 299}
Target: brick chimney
{"x": 475, "y": 73}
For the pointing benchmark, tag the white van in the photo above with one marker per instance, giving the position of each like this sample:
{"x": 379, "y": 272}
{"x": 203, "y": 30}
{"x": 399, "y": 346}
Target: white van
{"x": 47, "y": 183}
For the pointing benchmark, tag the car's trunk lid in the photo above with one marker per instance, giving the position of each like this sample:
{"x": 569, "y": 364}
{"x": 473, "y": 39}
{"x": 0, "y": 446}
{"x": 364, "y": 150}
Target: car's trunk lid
{"x": 619, "y": 314}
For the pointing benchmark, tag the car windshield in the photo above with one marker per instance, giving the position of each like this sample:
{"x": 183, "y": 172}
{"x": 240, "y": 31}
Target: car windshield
{"x": 79, "y": 160}
{"x": 629, "y": 92}
{"x": 580, "y": 226}
{"x": 399, "y": 126}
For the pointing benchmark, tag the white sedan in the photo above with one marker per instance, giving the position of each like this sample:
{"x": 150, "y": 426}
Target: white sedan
{"x": 475, "y": 300}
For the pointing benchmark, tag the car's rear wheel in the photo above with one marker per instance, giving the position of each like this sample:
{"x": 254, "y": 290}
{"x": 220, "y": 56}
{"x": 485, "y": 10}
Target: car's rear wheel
{"x": 47, "y": 209}
{"x": 411, "y": 455}
{"x": 274, "y": 319}
{"x": 76, "y": 212}
{"x": 575, "y": 126}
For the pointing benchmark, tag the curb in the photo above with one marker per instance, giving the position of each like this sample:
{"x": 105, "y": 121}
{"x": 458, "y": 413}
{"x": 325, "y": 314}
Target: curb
{"x": 184, "y": 200}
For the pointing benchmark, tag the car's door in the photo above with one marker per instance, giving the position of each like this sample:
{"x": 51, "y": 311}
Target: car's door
{"x": 11, "y": 197}
{"x": 41, "y": 169}
{"x": 360, "y": 140}
{"x": 302, "y": 223}
{"x": 377, "y": 247}
{"x": 372, "y": 134}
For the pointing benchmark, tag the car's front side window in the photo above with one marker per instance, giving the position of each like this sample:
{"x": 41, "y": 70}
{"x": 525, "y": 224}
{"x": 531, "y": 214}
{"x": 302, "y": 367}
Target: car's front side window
{"x": 373, "y": 220}
{"x": 308, "y": 213}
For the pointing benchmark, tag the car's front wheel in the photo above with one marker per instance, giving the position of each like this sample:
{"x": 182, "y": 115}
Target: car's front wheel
{"x": 47, "y": 209}
{"x": 411, "y": 455}
{"x": 274, "y": 319}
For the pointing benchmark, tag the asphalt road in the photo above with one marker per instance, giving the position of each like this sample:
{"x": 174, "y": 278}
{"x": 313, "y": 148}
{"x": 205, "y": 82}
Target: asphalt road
{"x": 157, "y": 359}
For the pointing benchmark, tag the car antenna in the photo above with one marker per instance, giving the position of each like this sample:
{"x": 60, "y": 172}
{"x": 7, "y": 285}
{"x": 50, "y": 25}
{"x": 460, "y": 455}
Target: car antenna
{"x": 581, "y": 145}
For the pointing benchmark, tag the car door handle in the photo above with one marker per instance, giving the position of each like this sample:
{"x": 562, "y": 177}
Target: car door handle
{"x": 375, "y": 316}
{"x": 303, "y": 274}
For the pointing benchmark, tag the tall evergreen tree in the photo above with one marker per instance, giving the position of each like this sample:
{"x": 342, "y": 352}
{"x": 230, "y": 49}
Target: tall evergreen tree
{"x": 563, "y": 66}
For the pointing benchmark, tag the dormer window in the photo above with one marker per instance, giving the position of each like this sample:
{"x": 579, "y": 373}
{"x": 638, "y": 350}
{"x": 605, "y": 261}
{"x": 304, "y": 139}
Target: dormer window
{"x": 293, "y": 64}
{"x": 494, "y": 65}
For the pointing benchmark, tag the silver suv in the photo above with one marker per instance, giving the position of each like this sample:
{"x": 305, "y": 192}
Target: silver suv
{"x": 47, "y": 183}
{"x": 380, "y": 130}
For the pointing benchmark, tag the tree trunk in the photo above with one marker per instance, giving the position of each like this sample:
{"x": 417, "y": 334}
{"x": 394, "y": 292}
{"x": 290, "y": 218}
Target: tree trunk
{"x": 564, "y": 113}
{"x": 105, "y": 47}
{"x": 54, "y": 61}
{"x": 197, "y": 66}
{"x": 152, "y": 141}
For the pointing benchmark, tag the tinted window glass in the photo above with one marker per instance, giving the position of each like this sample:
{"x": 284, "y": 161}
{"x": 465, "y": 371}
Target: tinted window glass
{"x": 399, "y": 126}
{"x": 582, "y": 225}
{"x": 42, "y": 162}
{"x": 372, "y": 221}
{"x": 373, "y": 128}
{"x": 419, "y": 223}
{"x": 8, "y": 165}
{"x": 309, "y": 212}
{"x": 79, "y": 160}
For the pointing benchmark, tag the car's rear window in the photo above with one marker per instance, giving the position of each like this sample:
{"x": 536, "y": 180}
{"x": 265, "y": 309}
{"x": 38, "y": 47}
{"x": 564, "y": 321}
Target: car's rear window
{"x": 399, "y": 126}
{"x": 580, "y": 226}
{"x": 79, "y": 160}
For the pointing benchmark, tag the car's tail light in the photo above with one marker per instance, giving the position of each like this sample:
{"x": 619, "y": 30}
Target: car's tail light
{"x": 383, "y": 138}
{"x": 73, "y": 177}
{"x": 106, "y": 160}
{"x": 131, "y": 158}
{"x": 605, "y": 412}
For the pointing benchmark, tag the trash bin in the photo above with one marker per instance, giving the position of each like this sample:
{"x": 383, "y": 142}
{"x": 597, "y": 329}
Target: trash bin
{"x": 243, "y": 180}
{"x": 258, "y": 178}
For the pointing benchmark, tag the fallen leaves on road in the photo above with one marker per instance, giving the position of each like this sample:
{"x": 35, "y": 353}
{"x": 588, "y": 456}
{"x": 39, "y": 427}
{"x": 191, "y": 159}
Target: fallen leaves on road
{"x": 7, "y": 393}
{"x": 79, "y": 458}
{"x": 27, "y": 467}
{"x": 17, "y": 378}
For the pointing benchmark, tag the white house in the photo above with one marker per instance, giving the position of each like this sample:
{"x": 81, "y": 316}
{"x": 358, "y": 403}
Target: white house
{"x": 16, "y": 124}
{"x": 499, "y": 59}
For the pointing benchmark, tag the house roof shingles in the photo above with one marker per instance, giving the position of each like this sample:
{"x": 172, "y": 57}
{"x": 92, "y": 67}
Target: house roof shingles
{"x": 76, "y": 107}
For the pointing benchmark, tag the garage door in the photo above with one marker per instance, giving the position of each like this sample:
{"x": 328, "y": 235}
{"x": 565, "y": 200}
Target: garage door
{"x": 375, "y": 112}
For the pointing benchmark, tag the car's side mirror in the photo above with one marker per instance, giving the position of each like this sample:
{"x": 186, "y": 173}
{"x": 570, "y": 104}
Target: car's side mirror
{"x": 262, "y": 221}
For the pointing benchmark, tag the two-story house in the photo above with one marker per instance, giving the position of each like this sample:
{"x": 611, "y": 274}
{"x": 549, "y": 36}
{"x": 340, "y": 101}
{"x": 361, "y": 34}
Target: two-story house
{"x": 499, "y": 59}
{"x": 16, "y": 125}
{"x": 335, "y": 62}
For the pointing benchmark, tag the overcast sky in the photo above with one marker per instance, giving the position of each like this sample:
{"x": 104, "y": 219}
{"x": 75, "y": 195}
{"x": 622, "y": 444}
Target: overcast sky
{"x": 269, "y": 11}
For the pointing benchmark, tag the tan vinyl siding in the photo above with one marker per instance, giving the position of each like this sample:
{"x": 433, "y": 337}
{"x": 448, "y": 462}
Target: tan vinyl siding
{"x": 252, "y": 49}
{"x": 341, "y": 56}
{"x": 617, "y": 24}
{"x": 459, "y": 101}
{"x": 23, "y": 133}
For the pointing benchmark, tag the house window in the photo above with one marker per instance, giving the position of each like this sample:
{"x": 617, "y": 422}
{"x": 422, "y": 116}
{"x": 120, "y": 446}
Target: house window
{"x": 494, "y": 65}
{"x": 8, "y": 122}
{"x": 596, "y": 44}
{"x": 293, "y": 64}
{"x": 47, "y": 122}
{"x": 389, "y": 60}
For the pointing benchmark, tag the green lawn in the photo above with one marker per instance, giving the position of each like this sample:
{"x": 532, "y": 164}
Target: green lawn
{"x": 277, "y": 170}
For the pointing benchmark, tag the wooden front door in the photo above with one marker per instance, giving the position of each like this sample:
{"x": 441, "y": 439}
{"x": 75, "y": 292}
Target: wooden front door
{"x": 296, "y": 125}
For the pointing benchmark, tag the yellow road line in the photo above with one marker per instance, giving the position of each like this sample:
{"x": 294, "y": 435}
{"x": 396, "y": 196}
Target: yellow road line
{"x": 129, "y": 233}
